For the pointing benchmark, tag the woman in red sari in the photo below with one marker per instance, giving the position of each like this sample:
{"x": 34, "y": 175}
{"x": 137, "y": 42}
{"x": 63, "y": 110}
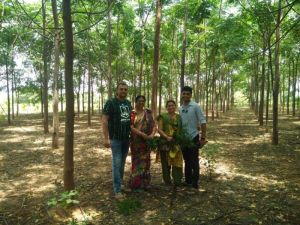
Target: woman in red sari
{"x": 142, "y": 129}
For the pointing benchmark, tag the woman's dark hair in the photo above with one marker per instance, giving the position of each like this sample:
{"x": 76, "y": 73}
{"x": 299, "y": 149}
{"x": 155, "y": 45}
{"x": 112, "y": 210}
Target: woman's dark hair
{"x": 169, "y": 102}
{"x": 140, "y": 96}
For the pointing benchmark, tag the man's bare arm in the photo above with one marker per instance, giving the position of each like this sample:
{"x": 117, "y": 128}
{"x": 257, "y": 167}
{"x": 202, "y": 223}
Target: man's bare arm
{"x": 106, "y": 141}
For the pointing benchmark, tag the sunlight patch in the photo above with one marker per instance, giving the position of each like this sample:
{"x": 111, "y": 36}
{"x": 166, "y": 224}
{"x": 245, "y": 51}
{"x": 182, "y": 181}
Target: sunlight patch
{"x": 79, "y": 215}
{"x": 223, "y": 169}
{"x": 21, "y": 129}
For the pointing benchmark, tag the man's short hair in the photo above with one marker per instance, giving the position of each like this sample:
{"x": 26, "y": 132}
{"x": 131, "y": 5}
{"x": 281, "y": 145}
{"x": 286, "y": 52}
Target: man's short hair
{"x": 187, "y": 88}
{"x": 121, "y": 83}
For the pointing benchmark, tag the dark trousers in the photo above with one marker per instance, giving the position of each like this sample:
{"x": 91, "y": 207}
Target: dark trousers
{"x": 192, "y": 166}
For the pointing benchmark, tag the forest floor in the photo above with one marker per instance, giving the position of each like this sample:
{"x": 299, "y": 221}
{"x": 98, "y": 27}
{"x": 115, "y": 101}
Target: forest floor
{"x": 244, "y": 178}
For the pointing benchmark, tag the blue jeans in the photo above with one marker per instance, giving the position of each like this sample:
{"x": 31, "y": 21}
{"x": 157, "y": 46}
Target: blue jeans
{"x": 119, "y": 153}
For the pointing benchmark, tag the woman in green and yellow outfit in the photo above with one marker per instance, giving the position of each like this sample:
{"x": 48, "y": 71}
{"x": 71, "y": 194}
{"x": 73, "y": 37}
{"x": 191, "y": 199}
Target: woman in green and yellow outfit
{"x": 170, "y": 154}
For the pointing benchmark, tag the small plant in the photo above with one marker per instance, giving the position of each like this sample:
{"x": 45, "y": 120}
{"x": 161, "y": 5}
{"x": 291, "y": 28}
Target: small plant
{"x": 209, "y": 152}
{"x": 128, "y": 206}
{"x": 76, "y": 222}
{"x": 65, "y": 199}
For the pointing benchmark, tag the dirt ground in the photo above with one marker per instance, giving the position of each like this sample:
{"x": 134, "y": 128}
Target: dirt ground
{"x": 247, "y": 180}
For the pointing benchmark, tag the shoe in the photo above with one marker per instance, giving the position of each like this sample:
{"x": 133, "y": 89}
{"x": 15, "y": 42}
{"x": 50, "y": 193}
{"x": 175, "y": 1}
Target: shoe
{"x": 119, "y": 196}
{"x": 195, "y": 186}
{"x": 137, "y": 190}
{"x": 185, "y": 184}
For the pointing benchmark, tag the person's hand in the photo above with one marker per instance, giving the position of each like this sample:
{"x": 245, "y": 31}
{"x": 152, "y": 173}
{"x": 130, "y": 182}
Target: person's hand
{"x": 151, "y": 136}
{"x": 203, "y": 141}
{"x": 106, "y": 143}
{"x": 169, "y": 138}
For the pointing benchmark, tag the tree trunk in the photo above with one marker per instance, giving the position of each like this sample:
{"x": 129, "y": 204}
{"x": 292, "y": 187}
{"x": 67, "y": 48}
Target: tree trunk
{"x": 288, "y": 88}
{"x": 294, "y": 89}
{"x": 89, "y": 91}
{"x": 262, "y": 86}
{"x": 61, "y": 93}
{"x": 183, "y": 53}
{"x": 69, "y": 125}
{"x": 45, "y": 66}
{"x": 55, "y": 135}
{"x": 156, "y": 58}
{"x": 109, "y": 59}
{"x": 276, "y": 78}
{"x": 7, "y": 91}
{"x": 197, "y": 91}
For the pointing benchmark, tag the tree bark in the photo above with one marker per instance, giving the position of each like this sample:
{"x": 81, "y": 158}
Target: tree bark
{"x": 55, "y": 135}
{"x": 109, "y": 59}
{"x": 183, "y": 52}
{"x": 7, "y": 91}
{"x": 156, "y": 58}
{"x": 69, "y": 125}
{"x": 262, "y": 86}
{"x": 45, "y": 66}
{"x": 276, "y": 78}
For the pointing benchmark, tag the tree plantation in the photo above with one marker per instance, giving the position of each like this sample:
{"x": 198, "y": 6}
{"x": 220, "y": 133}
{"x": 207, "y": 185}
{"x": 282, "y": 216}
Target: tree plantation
{"x": 61, "y": 60}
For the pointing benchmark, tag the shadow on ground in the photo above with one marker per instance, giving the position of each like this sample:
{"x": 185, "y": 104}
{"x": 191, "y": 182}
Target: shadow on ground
{"x": 245, "y": 180}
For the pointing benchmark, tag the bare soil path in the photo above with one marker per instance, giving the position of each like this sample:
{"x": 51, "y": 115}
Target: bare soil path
{"x": 245, "y": 181}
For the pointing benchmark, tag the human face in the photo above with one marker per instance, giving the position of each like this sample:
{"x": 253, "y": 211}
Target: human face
{"x": 122, "y": 91}
{"x": 186, "y": 96}
{"x": 171, "y": 107}
{"x": 140, "y": 103}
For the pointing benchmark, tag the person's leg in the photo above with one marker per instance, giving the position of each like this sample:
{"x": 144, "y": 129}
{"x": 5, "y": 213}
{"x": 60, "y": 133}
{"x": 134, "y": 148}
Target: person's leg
{"x": 124, "y": 152}
{"x": 186, "y": 152}
{"x": 116, "y": 164}
{"x": 165, "y": 167}
{"x": 195, "y": 164}
{"x": 177, "y": 175}
{"x": 146, "y": 173}
{"x": 135, "y": 176}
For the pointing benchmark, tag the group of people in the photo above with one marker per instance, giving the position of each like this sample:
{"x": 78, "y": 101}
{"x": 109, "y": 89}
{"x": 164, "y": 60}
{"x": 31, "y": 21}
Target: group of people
{"x": 124, "y": 126}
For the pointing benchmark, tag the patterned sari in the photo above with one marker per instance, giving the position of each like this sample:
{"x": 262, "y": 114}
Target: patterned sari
{"x": 140, "y": 153}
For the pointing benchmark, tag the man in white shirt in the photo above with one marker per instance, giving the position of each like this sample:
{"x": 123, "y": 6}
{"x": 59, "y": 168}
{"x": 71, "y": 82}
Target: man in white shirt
{"x": 193, "y": 121}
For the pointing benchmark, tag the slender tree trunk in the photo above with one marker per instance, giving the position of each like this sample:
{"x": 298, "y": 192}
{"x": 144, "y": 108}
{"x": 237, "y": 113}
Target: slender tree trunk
{"x": 82, "y": 95}
{"x": 294, "y": 89}
{"x": 7, "y": 91}
{"x": 55, "y": 135}
{"x": 89, "y": 91}
{"x": 109, "y": 59}
{"x": 276, "y": 78}
{"x": 268, "y": 96}
{"x": 156, "y": 58}
{"x": 69, "y": 126}
{"x": 183, "y": 53}
{"x": 197, "y": 91}
{"x": 41, "y": 93}
{"x": 45, "y": 66}
{"x": 61, "y": 93}
{"x": 142, "y": 65}
{"x": 288, "y": 88}
{"x": 262, "y": 86}
{"x": 92, "y": 94}
{"x": 12, "y": 94}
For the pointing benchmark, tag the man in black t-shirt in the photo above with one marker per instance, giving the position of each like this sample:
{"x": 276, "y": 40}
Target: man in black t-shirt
{"x": 116, "y": 130}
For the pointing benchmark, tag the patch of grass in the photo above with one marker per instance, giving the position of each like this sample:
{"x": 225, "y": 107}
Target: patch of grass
{"x": 128, "y": 206}
{"x": 209, "y": 152}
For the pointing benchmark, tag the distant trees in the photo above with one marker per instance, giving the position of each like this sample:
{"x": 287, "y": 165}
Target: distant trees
{"x": 157, "y": 47}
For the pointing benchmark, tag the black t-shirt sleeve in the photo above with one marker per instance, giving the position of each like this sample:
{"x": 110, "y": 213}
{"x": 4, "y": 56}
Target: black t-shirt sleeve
{"x": 108, "y": 108}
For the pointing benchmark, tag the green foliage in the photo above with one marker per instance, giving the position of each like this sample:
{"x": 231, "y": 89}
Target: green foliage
{"x": 128, "y": 206}
{"x": 76, "y": 222}
{"x": 209, "y": 152}
{"x": 180, "y": 138}
{"x": 66, "y": 199}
